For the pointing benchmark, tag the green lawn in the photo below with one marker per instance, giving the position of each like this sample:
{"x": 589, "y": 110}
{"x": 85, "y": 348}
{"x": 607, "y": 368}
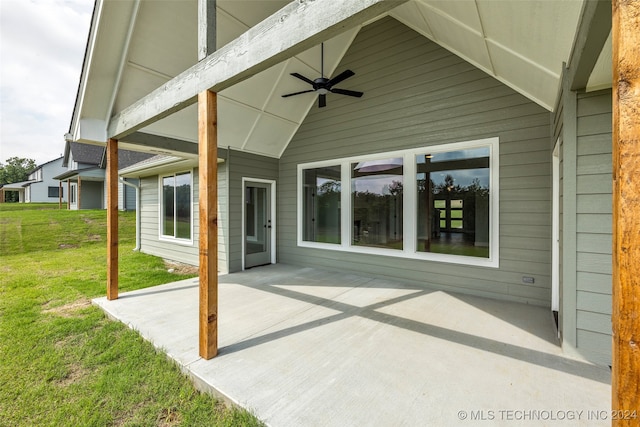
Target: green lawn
{"x": 62, "y": 362}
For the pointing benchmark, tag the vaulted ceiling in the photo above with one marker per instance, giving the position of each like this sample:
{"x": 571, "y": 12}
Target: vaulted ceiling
{"x": 136, "y": 46}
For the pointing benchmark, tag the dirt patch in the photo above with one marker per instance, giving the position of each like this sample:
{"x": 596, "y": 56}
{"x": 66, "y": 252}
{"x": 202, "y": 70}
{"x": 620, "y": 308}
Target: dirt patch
{"x": 69, "y": 310}
{"x": 180, "y": 268}
{"x": 168, "y": 417}
{"x": 76, "y": 373}
{"x": 87, "y": 220}
{"x": 94, "y": 237}
{"x": 67, "y": 246}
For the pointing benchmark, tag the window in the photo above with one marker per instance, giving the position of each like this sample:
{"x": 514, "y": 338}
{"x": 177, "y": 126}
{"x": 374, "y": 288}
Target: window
{"x": 376, "y": 206}
{"x": 55, "y": 192}
{"x": 438, "y": 203}
{"x": 453, "y": 202}
{"x": 322, "y": 189}
{"x": 175, "y": 216}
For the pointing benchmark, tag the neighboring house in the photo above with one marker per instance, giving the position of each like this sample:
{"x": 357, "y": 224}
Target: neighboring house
{"x": 475, "y": 162}
{"x": 44, "y": 187}
{"x": 84, "y": 176}
{"x": 40, "y": 186}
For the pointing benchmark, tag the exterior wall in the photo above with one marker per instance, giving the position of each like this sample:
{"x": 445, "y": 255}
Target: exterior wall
{"x": 594, "y": 226}
{"x": 39, "y": 191}
{"x": 150, "y": 217}
{"x": 91, "y": 196}
{"x": 418, "y": 94}
{"x": 126, "y": 195}
{"x": 244, "y": 165}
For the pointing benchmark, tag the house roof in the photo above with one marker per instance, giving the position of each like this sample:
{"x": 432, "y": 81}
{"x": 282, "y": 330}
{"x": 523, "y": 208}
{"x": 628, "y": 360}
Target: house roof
{"x": 130, "y": 53}
{"x": 86, "y": 153}
{"x": 17, "y": 185}
{"x": 91, "y": 154}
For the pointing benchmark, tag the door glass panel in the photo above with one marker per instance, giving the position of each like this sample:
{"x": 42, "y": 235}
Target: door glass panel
{"x": 256, "y": 220}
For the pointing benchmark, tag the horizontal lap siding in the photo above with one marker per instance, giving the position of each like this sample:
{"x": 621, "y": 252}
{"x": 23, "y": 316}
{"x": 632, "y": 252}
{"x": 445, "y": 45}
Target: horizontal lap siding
{"x": 417, "y": 94}
{"x": 186, "y": 253}
{"x": 593, "y": 223}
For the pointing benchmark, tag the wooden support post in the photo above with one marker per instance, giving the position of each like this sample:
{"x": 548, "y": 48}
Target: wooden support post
{"x": 69, "y": 194}
{"x": 79, "y": 190}
{"x": 60, "y": 195}
{"x": 112, "y": 219}
{"x": 208, "y": 188}
{"x": 625, "y": 383}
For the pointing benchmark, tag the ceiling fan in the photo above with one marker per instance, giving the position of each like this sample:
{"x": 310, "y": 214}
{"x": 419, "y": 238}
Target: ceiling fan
{"x": 323, "y": 85}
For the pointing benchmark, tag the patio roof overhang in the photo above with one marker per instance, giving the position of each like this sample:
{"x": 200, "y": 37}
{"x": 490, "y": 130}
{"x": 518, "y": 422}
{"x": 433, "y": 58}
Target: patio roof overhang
{"x": 87, "y": 174}
{"x": 138, "y": 76}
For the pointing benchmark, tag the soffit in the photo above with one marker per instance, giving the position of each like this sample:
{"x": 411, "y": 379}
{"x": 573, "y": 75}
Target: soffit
{"x": 252, "y": 115}
{"x": 521, "y": 43}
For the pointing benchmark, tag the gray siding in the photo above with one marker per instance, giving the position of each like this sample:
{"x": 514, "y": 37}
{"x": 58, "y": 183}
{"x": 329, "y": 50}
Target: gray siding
{"x": 418, "y": 94}
{"x": 186, "y": 253}
{"x": 92, "y": 195}
{"x": 244, "y": 165}
{"x": 39, "y": 191}
{"x": 593, "y": 226}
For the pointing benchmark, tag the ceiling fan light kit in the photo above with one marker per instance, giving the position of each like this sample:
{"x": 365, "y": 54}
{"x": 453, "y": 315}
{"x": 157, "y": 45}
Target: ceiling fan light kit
{"x": 323, "y": 85}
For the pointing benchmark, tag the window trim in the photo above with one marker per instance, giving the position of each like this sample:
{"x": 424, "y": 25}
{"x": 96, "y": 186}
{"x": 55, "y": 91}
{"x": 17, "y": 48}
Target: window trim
{"x": 409, "y": 205}
{"x": 173, "y": 239}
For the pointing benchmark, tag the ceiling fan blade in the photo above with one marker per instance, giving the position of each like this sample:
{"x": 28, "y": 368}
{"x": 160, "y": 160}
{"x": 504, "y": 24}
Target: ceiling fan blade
{"x": 347, "y": 92}
{"x": 340, "y": 77}
{"x": 298, "y": 93}
{"x": 322, "y": 101}
{"x": 303, "y": 78}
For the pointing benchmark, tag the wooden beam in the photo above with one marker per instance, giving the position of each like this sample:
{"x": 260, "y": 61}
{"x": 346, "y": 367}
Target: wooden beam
{"x": 625, "y": 382}
{"x": 593, "y": 29}
{"x": 160, "y": 142}
{"x": 206, "y": 28}
{"x": 295, "y": 28}
{"x": 60, "y": 195}
{"x": 69, "y": 194}
{"x": 208, "y": 190}
{"x": 112, "y": 219}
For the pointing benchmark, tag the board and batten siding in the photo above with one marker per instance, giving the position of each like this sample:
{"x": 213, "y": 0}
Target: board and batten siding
{"x": 174, "y": 251}
{"x": 594, "y": 226}
{"x": 417, "y": 94}
{"x": 244, "y": 165}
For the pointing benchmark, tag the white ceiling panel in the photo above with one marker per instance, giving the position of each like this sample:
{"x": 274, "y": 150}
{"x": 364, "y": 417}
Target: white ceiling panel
{"x": 180, "y": 125}
{"x": 136, "y": 82}
{"x": 235, "y": 123}
{"x": 256, "y": 90}
{"x": 539, "y": 30}
{"x": 270, "y": 136}
{"x": 602, "y": 76}
{"x": 464, "y": 12}
{"x": 292, "y": 108}
{"x": 522, "y": 75}
{"x": 409, "y": 14}
{"x": 457, "y": 37}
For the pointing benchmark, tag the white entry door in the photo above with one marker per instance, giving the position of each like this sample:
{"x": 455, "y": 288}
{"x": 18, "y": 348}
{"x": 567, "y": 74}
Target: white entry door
{"x": 258, "y": 224}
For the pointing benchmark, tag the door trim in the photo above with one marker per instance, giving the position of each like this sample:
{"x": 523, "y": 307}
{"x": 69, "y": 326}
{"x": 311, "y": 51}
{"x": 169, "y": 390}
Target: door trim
{"x": 272, "y": 190}
{"x": 555, "y": 231}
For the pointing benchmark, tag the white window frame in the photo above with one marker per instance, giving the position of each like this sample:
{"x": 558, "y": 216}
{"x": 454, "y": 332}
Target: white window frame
{"x": 409, "y": 205}
{"x": 173, "y": 239}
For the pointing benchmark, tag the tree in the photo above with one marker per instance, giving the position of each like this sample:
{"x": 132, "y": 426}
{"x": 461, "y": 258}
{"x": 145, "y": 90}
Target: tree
{"x": 16, "y": 169}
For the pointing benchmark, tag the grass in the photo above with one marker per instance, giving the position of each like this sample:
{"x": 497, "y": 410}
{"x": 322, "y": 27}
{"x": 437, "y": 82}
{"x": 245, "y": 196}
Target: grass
{"x": 63, "y": 363}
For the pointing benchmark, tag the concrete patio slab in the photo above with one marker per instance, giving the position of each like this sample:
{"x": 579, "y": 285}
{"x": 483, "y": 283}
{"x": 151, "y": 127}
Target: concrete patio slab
{"x": 308, "y": 347}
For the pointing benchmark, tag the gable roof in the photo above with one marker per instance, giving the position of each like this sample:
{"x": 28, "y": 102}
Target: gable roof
{"x": 522, "y": 44}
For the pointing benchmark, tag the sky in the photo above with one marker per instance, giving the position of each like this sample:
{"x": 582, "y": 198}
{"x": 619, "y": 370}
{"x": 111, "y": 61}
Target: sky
{"x": 42, "y": 44}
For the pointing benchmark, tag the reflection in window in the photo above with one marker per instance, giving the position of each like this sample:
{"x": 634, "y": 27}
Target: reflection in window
{"x": 376, "y": 191}
{"x": 453, "y": 202}
{"x": 176, "y": 206}
{"x": 321, "y": 204}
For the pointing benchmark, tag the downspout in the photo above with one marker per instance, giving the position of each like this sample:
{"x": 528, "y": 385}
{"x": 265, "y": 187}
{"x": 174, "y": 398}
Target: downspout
{"x": 138, "y": 217}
